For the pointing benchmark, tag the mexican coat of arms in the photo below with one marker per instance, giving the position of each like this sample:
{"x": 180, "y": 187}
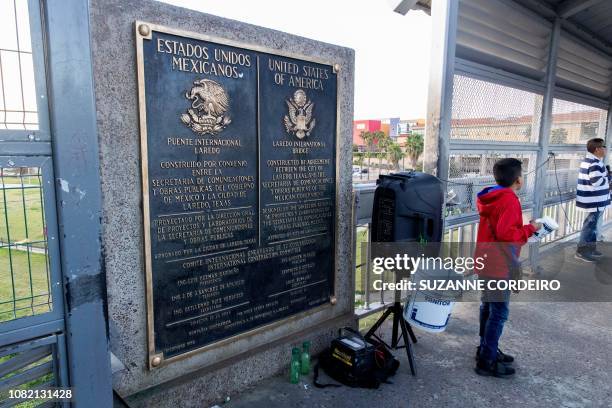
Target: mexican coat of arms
{"x": 299, "y": 120}
{"x": 209, "y": 104}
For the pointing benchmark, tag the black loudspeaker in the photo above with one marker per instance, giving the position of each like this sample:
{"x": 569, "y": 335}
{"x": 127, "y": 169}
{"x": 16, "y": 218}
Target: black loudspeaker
{"x": 407, "y": 208}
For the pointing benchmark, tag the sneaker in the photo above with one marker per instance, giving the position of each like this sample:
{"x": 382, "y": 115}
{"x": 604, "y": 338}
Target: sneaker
{"x": 501, "y": 356}
{"x": 584, "y": 257}
{"x": 596, "y": 254}
{"x": 493, "y": 369}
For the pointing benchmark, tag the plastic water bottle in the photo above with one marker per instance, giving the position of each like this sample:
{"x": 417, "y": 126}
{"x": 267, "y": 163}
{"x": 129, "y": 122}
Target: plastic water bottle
{"x": 305, "y": 358}
{"x": 295, "y": 365}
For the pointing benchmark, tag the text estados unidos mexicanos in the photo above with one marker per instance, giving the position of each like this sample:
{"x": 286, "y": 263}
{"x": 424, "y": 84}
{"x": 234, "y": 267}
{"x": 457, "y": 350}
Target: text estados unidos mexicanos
{"x": 412, "y": 264}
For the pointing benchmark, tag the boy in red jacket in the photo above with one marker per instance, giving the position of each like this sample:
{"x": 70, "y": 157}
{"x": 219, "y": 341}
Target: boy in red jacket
{"x": 501, "y": 220}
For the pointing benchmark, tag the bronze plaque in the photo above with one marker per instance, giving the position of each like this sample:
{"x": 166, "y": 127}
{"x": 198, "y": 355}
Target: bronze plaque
{"x": 238, "y": 149}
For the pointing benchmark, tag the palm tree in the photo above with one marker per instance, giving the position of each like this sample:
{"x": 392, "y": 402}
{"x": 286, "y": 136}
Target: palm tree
{"x": 395, "y": 154}
{"x": 414, "y": 148}
{"x": 383, "y": 143}
{"x": 370, "y": 138}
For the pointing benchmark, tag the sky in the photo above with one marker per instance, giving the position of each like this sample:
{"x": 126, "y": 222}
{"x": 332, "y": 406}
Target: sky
{"x": 391, "y": 50}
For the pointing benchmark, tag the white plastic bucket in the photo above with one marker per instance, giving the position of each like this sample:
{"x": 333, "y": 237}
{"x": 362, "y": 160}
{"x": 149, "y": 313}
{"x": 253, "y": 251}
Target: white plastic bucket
{"x": 428, "y": 311}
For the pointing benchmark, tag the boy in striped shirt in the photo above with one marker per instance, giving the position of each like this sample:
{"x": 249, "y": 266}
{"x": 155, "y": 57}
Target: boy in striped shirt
{"x": 592, "y": 196}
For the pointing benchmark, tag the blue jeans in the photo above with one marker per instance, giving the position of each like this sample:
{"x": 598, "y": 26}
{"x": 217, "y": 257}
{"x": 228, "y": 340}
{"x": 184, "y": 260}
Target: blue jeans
{"x": 588, "y": 235}
{"x": 493, "y": 316}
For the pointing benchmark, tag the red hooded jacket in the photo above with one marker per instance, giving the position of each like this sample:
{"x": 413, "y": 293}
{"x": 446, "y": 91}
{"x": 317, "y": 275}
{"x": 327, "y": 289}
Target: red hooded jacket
{"x": 501, "y": 220}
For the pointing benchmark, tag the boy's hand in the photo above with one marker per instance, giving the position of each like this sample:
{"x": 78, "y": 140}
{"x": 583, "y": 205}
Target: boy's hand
{"x": 536, "y": 225}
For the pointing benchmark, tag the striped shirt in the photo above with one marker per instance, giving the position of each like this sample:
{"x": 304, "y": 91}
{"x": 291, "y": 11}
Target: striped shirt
{"x": 593, "y": 190}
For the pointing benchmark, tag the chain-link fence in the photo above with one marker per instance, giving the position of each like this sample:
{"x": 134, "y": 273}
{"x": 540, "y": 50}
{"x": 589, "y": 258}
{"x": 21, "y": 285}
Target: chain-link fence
{"x": 469, "y": 173}
{"x": 575, "y": 123}
{"x": 484, "y": 111}
{"x": 497, "y": 119}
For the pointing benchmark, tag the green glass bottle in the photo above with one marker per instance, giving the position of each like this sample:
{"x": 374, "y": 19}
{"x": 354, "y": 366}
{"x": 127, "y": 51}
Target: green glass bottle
{"x": 305, "y": 358}
{"x": 295, "y": 366}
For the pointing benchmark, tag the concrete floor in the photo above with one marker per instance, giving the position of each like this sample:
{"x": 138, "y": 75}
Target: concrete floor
{"x": 563, "y": 352}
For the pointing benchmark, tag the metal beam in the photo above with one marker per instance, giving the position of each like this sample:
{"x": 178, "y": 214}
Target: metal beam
{"x": 480, "y": 146}
{"x": 544, "y": 134}
{"x": 608, "y": 136}
{"x": 541, "y": 8}
{"x": 75, "y": 154}
{"x": 439, "y": 100}
{"x": 571, "y": 7}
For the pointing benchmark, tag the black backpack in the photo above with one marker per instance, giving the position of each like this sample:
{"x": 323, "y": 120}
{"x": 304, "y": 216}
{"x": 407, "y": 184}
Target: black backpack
{"x": 355, "y": 361}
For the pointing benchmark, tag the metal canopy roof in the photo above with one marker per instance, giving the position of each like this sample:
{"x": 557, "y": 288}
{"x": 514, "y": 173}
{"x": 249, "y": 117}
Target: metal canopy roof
{"x": 593, "y": 15}
{"x": 589, "y": 19}
{"x": 515, "y": 35}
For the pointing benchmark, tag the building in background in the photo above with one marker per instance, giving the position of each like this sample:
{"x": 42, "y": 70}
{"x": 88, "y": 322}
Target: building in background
{"x": 360, "y": 126}
{"x": 574, "y": 127}
{"x": 397, "y": 129}
{"x": 391, "y": 127}
{"x": 407, "y": 127}
{"x": 567, "y": 128}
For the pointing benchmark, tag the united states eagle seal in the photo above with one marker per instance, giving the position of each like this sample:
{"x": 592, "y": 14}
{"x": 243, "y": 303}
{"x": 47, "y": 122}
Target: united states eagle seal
{"x": 299, "y": 121}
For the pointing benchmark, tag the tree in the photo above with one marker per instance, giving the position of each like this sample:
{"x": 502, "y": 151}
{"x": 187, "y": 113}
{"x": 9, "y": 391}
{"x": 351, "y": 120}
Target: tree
{"x": 372, "y": 138}
{"x": 414, "y": 148}
{"x": 383, "y": 143}
{"x": 395, "y": 154}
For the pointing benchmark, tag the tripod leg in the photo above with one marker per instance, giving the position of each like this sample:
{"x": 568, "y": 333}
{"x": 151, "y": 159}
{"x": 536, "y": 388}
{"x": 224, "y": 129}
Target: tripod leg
{"x": 412, "y": 336}
{"x": 378, "y": 323}
{"x": 405, "y": 327}
{"x": 396, "y": 322}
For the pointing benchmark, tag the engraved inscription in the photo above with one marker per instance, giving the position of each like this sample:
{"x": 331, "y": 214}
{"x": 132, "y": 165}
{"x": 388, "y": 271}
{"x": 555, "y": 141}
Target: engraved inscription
{"x": 240, "y": 175}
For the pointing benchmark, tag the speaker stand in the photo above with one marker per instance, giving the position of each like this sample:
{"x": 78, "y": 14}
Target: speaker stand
{"x": 398, "y": 323}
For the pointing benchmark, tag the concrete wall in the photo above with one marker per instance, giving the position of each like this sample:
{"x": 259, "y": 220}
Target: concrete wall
{"x": 206, "y": 377}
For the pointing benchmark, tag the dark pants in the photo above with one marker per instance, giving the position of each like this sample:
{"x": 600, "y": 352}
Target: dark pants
{"x": 588, "y": 235}
{"x": 493, "y": 316}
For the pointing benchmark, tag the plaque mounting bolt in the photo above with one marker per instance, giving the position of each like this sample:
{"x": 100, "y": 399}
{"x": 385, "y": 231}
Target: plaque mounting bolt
{"x": 144, "y": 30}
{"x": 156, "y": 361}
{"x": 336, "y": 68}
{"x": 333, "y": 300}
